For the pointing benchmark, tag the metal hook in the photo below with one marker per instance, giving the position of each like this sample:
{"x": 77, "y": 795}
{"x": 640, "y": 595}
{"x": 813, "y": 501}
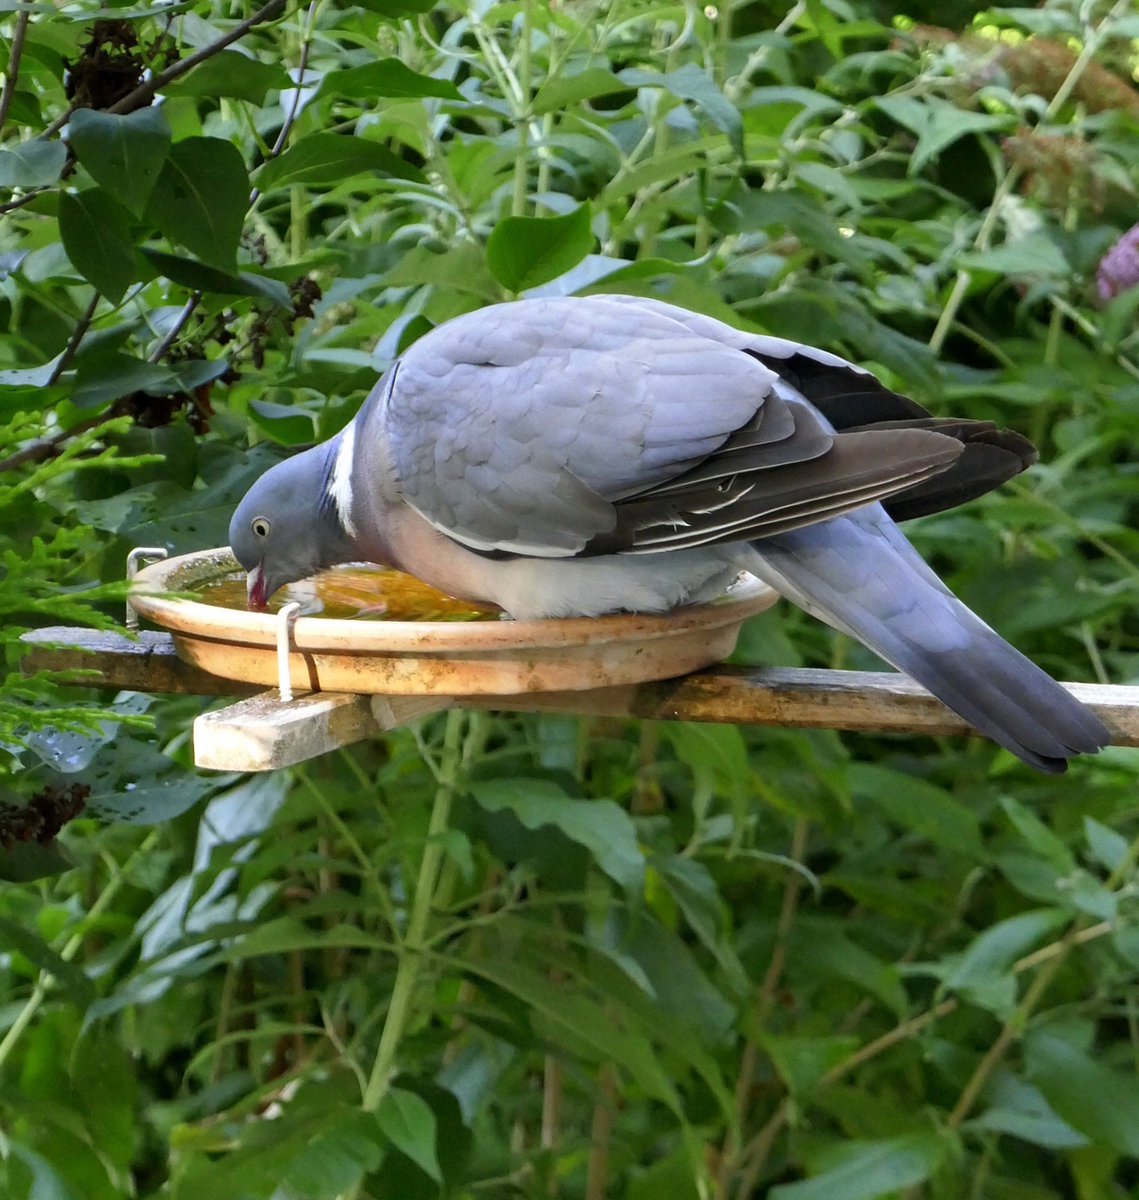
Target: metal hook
{"x": 285, "y": 620}
{"x": 133, "y": 560}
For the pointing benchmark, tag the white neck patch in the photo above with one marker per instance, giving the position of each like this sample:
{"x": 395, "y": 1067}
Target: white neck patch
{"x": 340, "y": 481}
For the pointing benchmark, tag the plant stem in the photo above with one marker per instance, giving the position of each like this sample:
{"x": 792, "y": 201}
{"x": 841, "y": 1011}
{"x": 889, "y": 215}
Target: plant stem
{"x": 730, "y": 1155}
{"x": 597, "y": 1175}
{"x": 145, "y": 93}
{"x": 71, "y": 948}
{"x": 1010, "y": 1031}
{"x": 1012, "y": 177}
{"x": 411, "y": 951}
{"x": 521, "y": 163}
{"x": 13, "y": 71}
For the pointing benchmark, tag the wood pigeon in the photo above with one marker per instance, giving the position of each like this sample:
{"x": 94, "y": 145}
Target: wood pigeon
{"x": 583, "y": 455}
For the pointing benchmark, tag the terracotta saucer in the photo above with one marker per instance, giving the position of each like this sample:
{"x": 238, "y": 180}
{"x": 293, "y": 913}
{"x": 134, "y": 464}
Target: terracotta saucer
{"x": 438, "y": 657}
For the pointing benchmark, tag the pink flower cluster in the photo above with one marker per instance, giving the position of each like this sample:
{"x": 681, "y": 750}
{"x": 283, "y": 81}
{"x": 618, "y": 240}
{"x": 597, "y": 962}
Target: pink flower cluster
{"x": 1118, "y": 270}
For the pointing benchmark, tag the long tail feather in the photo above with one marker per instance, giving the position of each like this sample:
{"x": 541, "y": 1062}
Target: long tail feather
{"x": 858, "y": 573}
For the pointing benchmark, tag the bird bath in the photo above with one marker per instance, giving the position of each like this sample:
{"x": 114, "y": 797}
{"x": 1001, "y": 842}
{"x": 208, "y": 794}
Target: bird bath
{"x": 464, "y": 649}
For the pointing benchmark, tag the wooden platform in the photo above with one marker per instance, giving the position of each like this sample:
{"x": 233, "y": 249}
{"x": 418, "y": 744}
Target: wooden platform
{"x": 260, "y": 733}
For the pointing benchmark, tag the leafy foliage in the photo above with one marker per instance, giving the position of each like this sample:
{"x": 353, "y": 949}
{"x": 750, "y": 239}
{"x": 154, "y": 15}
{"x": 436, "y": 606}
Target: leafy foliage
{"x": 526, "y": 955}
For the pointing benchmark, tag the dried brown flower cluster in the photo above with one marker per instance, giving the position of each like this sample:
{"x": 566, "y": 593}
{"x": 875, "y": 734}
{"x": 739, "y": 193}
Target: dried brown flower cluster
{"x": 1041, "y": 65}
{"x": 45, "y": 814}
{"x": 1059, "y": 171}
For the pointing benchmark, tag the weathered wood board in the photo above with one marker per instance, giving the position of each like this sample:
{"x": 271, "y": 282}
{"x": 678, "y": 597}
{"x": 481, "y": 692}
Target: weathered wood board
{"x": 261, "y": 733}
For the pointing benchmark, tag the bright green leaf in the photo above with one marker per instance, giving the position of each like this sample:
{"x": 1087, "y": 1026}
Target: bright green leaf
{"x": 231, "y": 73}
{"x": 13, "y": 936}
{"x": 201, "y": 198}
{"x": 605, "y": 829}
{"x": 560, "y": 91}
{"x": 1034, "y": 254}
{"x": 95, "y": 230}
{"x": 938, "y": 124}
{"x": 1039, "y": 838}
{"x": 327, "y": 158}
{"x": 35, "y": 163}
{"x": 865, "y": 1170}
{"x": 1108, "y": 847}
{"x": 1099, "y": 1101}
{"x": 984, "y": 970}
{"x": 123, "y": 154}
{"x": 387, "y": 77}
{"x": 524, "y": 252}
{"x": 407, "y": 1120}
{"x": 690, "y": 82}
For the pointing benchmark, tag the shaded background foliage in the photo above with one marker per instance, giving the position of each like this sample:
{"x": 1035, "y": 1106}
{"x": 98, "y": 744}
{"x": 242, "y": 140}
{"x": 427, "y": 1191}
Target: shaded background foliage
{"x": 526, "y": 955}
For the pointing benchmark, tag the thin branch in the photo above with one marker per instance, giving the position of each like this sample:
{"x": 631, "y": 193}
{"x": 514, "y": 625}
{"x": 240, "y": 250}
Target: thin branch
{"x": 175, "y": 329}
{"x": 302, "y": 63}
{"x": 1010, "y": 1031}
{"x": 145, "y": 92}
{"x": 755, "y": 1153}
{"x": 13, "y": 72}
{"x": 77, "y": 334}
{"x": 730, "y": 1154}
{"x": 597, "y": 1171}
{"x": 20, "y": 201}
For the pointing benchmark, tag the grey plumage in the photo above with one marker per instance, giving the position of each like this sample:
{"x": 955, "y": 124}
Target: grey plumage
{"x": 575, "y": 456}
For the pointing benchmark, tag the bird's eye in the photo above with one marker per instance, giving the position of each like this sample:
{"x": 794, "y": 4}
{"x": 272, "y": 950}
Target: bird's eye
{"x": 261, "y": 526}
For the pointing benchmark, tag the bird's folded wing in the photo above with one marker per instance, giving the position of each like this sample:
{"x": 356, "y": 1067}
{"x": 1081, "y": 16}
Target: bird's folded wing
{"x": 554, "y": 430}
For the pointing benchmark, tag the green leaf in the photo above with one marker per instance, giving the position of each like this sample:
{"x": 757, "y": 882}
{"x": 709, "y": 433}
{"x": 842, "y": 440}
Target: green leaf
{"x": 46, "y": 1183}
{"x": 673, "y": 1176}
{"x": 573, "y": 1020}
{"x": 232, "y": 74}
{"x": 1018, "y": 1108}
{"x": 802, "y": 1061}
{"x": 864, "y": 1170}
{"x": 984, "y": 970}
{"x": 95, "y": 230}
{"x": 560, "y": 91}
{"x": 202, "y": 278}
{"x": 387, "y": 77}
{"x": 938, "y": 124}
{"x": 397, "y": 8}
{"x": 73, "y": 979}
{"x": 407, "y": 1120}
{"x": 327, "y": 158}
{"x": 914, "y": 804}
{"x": 35, "y": 163}
{"x": 462, "y": 268}
{"x": 201, "y": 197}
{"x": 1108, "y": 847}
{"x": 1034, "y": 254}
{"x": 123, "y": 154}
{"x": 26, "y": 861}
{"x": 524, "y": 252}
{"x": 605, "y": 829}
{"x": 107, "y": 377}
{"x": 690, "y": 82}
{"x": 1099, "y": 1101}
{"x": 1039, "y": 838}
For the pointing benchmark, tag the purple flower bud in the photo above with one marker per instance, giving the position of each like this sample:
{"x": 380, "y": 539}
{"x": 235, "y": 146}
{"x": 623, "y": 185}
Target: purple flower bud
{"x": 1119, "y": 268}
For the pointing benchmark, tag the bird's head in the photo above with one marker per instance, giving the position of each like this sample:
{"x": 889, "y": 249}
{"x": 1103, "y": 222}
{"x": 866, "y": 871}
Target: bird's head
{"x": 285, "y": 528}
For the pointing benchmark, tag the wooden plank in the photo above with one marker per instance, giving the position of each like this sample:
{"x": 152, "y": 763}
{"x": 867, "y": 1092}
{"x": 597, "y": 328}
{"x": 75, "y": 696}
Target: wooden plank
{"x": 264, "y": 734}
{"x": 883, "y": 702}
{"x": 146, "y": 663}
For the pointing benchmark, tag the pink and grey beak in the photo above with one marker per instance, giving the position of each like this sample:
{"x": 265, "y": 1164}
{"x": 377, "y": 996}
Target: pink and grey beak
{"x": 257, "y": 590}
